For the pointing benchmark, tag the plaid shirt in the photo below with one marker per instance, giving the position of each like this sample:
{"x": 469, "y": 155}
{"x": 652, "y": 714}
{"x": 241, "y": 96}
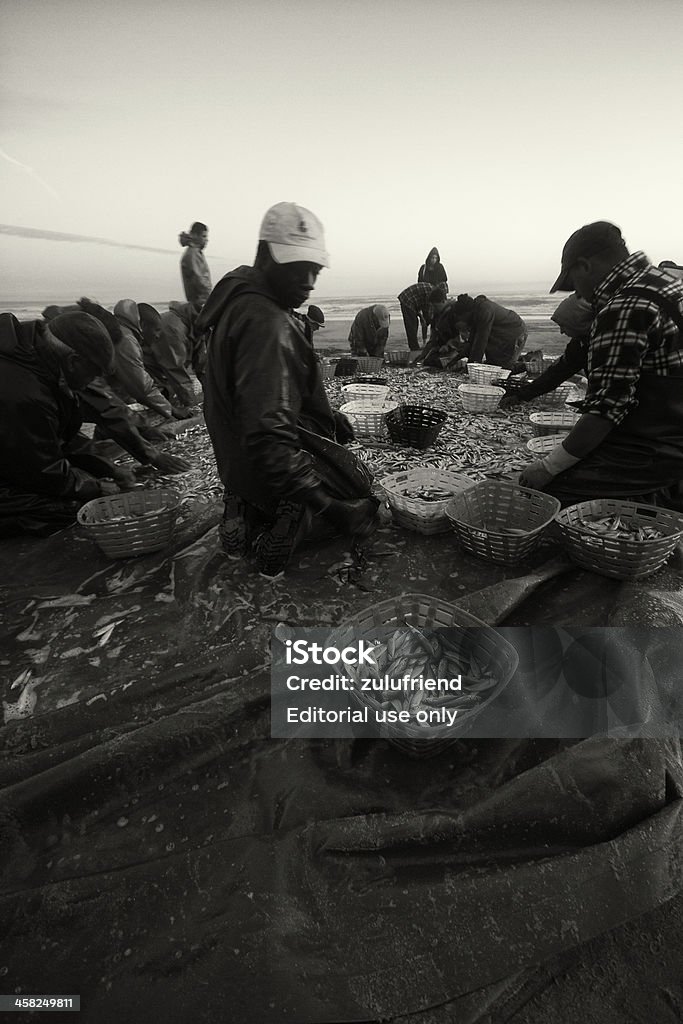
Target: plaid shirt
{"x": 630, "y": 335}
{"x": 416, "y": 296}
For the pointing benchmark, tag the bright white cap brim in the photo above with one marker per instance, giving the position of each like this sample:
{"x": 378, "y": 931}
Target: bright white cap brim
{"x": 298, "y": 254}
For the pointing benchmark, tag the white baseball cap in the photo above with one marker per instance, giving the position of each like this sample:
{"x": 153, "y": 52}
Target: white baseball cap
{"x": 294, "y": 234}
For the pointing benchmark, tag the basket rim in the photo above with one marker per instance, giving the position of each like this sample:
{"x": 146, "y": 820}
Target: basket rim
{"x": 481, "y": 389}
{"x": 619, "y": 507}
{"x": 505, "y": 485}
{"x": 105, "y": 500}
{"x": 422, "y": 471}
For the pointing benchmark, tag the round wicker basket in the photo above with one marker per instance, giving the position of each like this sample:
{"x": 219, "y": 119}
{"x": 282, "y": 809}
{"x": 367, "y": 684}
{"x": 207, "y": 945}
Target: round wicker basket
{"x": 619, "y": 557}
{"x": 543, "y": 423}
{"x": 369, "y": 364}
{"x": 500, "y": 521}
{"x": 480, "y": 397}
{"x": 544, "y": 445}
{"x": 429, "y": 613}
{"x": 416, "y": 426}
{"x": 368, "y": 417}
{"x": 423, "y": 516}
{"x": 376, "y": 392}
{"x": 130, "y": 523}
{"x": 398, "y": 357}
{"x": 485, "y": 373}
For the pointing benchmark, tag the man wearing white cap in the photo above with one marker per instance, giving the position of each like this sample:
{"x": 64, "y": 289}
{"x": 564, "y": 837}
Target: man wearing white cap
{"x": 265, "y": 402}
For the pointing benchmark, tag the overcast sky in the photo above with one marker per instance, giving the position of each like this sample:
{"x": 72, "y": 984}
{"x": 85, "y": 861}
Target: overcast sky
{"x": 490, "y": 128}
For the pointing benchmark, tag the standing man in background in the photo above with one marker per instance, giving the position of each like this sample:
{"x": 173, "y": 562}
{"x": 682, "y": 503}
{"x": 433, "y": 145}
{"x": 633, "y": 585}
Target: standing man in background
{"x": 193, "y": 265}
{"x": 417, "y": 306}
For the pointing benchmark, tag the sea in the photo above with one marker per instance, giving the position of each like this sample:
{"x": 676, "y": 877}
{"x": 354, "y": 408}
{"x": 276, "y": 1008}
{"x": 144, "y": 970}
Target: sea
{"x": 535, "y": 308}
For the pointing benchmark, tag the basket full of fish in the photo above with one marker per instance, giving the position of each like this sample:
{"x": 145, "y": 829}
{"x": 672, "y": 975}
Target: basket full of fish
{"x": 398, "y": 357}
{"x": 418, "y": 497}
{"x": 130, "y": 523}
{"x": 621, "y": 539}
{"x": 419, "y": 640}
{"x": 500, "y": 521}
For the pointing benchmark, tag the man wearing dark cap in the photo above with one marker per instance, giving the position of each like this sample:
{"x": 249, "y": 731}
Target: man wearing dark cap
{"x": 48, "y": 469}
{"x": 370, "y": 331}
{"x": 265, "y": 402}
{"x": 628, "y": 443}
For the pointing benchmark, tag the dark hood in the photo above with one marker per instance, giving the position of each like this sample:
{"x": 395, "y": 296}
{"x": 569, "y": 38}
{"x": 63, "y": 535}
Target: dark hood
{"x": 434, "y": 250}
{"x": 18, "y": 344}
{"x": 242, "y": 281}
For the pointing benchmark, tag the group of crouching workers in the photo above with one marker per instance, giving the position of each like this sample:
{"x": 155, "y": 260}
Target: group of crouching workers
{"x": 279, "y": 446}
{"x": 83, "y": 363}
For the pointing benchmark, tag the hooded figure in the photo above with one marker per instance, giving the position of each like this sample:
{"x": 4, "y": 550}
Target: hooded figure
{"x": 131, "y": 380}
{"x": 193, "y": 266}
{"x": 48, "y": 469}
{"x": 432, "y": 270}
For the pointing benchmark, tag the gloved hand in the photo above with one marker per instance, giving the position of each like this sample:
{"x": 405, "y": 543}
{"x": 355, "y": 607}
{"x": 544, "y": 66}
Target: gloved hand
{"x": 510, "y": 401}
{"x": 184, "y": 414}
{"x": 169, "y": 463}
{"x": 343, "y": 431}
{"x": 124, "y": 478}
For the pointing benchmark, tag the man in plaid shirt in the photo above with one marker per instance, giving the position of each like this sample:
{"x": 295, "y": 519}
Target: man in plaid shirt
{"x": 417, "y": 301}
{"x": 628, "y": 442}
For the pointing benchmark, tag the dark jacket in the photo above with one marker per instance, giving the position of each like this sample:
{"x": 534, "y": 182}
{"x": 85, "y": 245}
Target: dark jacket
{"x": 432, "y": 275}
{"x": 262, "y": 381}
{"x": 494, "y": 331}
{"x": 41, "y": 450}
{"x": 195, "y": 273}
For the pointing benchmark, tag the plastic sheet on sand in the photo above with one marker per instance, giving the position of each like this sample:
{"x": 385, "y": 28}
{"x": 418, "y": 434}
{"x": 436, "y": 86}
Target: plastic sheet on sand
{"x": 165, "y": 858}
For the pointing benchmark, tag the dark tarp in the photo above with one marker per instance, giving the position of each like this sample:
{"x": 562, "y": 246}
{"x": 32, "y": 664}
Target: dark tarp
{"x": 166, "y": 859}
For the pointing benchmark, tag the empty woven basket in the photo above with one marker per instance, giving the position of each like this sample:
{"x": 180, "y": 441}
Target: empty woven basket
{"x": 130, "y": 523}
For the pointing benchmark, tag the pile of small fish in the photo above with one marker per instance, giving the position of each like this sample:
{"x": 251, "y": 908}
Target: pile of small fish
{"x": 619, "y": 529}
{"x": 410, "y": 653}
{"x": 428, "y": 493}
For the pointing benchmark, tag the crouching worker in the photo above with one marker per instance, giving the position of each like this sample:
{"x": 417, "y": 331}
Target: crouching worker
{"x": 272, "y": 429}
{"x": 48, "y": 469}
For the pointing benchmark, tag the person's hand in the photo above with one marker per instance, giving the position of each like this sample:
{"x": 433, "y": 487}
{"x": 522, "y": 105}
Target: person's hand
{"x": 124, "y": 478}
{"x": 509, "y": 402}
{"x": 169, "y": 463}
{"x": 343, "y": 431}
{"x": 181, "y": 413}
{"x": 535, "y": 476}
{"x": 356, "y": 517}
{"x": 108, "y": 487}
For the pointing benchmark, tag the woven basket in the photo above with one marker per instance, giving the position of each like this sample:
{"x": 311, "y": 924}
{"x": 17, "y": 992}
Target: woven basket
{"x": 346, "y": 367}
{"x": 377, "y": 392}
{"x": 480, "y": 397}
{"x": 398, "y": 358}
{"x": 417, "y": 426}
{"x": 368, "y": 418}
{"x": 431, "y": 613}
{"x": 510, "y": 384}
{"x": 617, "y": 557}
{"x": 543, "y": 423}
{"x": 369, "y": 364}
{"x": 481, "y": 515}
{"x": 130, "y": 523}
{"x": 484, "y": 373}
{"x": 543, "y": 445}
{"x": 535, "y": 364}
{"x": 559, "y": 396}
{"x": 327, "y": 368}
{"x": 426, "y": 517}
